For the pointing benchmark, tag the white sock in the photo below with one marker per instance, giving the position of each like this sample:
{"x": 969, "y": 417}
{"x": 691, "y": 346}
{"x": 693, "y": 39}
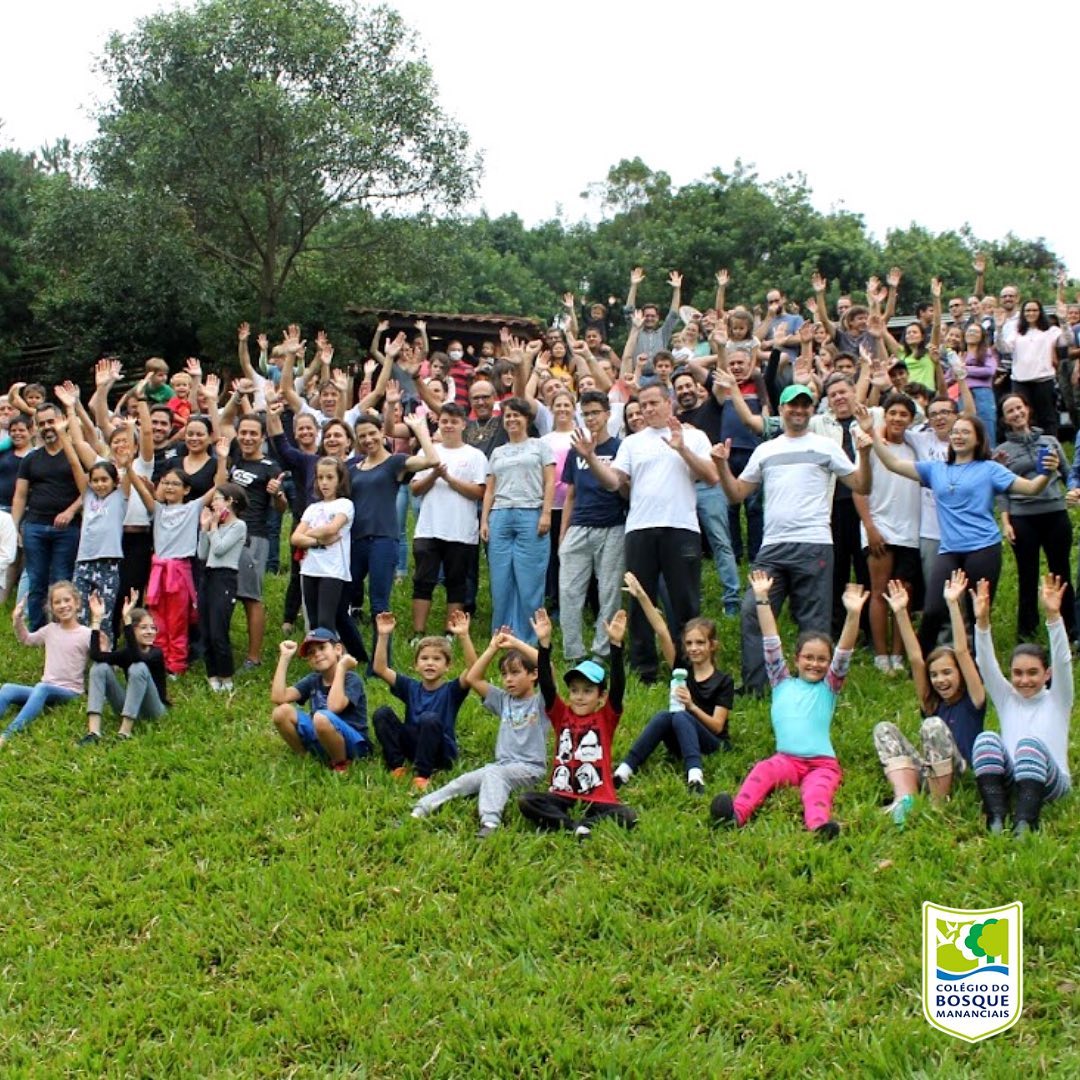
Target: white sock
{"x": 897, "y": 662}
{"x": 695, "y": 776}
{"x": 882, "y": 663}
{"x": 624, "y": 772}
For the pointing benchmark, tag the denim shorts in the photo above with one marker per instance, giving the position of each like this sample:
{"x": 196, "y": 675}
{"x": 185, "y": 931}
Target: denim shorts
{"x": 356, "y": 746}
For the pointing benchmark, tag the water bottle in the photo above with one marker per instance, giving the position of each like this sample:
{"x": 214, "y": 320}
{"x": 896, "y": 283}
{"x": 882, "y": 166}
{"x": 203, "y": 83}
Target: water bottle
{"x": 678, "y": 679}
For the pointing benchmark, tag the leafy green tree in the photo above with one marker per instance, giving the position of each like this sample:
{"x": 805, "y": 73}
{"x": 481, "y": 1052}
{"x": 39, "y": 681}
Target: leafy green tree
{"x": 18, "y": 284}
{"x": 262, "y": 119}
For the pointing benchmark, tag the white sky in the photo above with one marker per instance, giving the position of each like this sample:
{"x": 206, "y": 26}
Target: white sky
{"x": 691, "y": 87}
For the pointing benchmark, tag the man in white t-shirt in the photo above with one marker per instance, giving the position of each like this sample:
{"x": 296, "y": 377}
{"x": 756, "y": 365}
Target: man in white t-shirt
{"x": 447, "y": 532}
{"x": 658, "y": 466}
{"x": 796, "y": 550}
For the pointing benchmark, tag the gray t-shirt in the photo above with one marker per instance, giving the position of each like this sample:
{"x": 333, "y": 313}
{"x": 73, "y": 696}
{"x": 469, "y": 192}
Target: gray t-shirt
{"x": 518, "y": 469}
{"x": 221, "y": 548}
{"x": 102, "y": 526}
{"x": 176, "y": 529}
{"x": 523, "y": 728}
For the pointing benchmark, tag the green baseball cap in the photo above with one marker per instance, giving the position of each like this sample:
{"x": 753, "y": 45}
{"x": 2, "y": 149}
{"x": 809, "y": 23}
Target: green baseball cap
{"x": 795, "y": 390}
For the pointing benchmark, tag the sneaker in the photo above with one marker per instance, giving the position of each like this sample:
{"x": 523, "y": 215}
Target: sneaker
{"x": 173, "y": 676}
{"x": 400, "y": 772}
{"x": 418, "y": 812}
{"x": 485, "y": 831}
{"x": 582, "y": 832}
{"x": 227, "y": 686}
{"x": 420, "y": 784}
{"x": 897, "y": 663}
{"x": 883, "y": 664}
{"x": 722, "y": 809}
{"x": 215, "y": 683}
{"x": 829, "y": 831}
{"x": 414, "y": 641}
{"x": 339, "y": 766}
{"x": 123, "y": 736}
{"x": 622, "y": 775}
{"x": 91, "y": 738}
{"x": 695, "y": 787}
{"x": 250, "y": 665}
{"x": 900, "y": 810}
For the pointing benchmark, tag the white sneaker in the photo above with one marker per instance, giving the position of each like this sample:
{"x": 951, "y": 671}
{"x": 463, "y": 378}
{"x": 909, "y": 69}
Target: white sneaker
{"x": 226, "y": 686}
{"x": 883, "y": 664}
{"x": 215, "y": 683}
{"x": 897, "y": 663}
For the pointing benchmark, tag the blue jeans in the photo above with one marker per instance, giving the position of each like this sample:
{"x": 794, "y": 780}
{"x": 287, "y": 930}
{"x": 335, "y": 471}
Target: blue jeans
{"x": 373, "y": 557}
{"x": 712, "y": 509}
{"x": 986, "y": 411}
{"x": 139, "y": 700}
{"x": 50, "y": 556}
{"x": 404, "y": 497}
{"x": 33, "y": 699}
{"x": 517, "y": 568}
{"x": 684, "y": 736}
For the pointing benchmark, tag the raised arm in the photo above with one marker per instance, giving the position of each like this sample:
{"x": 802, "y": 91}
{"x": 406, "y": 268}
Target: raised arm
{"x": 655, "y": 617}
{"x": 735, "y": 487}
{"x": 954, "y": 591}
{"x": 609, "y": 478}
{"x": 935, "y": 330}
{"x": 819, "y": 285}
{"x": 892, "y": 462}
{"x": 896, "y": 596}
{"x": 380, "y": 662}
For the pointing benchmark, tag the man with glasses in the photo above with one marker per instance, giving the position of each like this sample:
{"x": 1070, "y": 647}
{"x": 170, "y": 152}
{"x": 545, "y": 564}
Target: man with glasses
{"x": 1006, "y": 319}
{"x": 592, "y": 540}
{"x": 779, "y": 329}
{"x": 485, "y": 431}
{"x": 958, "y": 312}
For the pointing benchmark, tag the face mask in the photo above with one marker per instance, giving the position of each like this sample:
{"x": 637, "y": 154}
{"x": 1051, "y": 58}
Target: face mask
{"x": 456, "y": 354}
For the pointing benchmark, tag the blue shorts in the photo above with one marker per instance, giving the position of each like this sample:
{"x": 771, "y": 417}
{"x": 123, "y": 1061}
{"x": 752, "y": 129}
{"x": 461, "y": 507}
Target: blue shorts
{"x": 356, "y": 746}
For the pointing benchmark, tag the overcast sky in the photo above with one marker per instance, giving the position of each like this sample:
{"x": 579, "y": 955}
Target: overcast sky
{"x": 912, "y": 112}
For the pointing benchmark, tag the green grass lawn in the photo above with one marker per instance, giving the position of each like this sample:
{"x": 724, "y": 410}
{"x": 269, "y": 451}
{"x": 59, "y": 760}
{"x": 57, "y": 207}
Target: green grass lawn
{"x": 199, "y": 902}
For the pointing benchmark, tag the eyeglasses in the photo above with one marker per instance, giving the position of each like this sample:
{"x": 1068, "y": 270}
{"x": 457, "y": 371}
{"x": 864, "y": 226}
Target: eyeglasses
{"x": 940, "y": 414}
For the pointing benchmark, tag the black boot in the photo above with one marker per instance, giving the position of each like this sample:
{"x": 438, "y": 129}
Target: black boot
{"x": 995, "y": 804}
{"x": 1029, "y": 800}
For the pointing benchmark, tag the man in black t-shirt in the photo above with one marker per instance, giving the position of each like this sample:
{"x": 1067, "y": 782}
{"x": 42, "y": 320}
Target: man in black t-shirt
{"x": 260, "y": 477}
{"x": 46, "y": 506}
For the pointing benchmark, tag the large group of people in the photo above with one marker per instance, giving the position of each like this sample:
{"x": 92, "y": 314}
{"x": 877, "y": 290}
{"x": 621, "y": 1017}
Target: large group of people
{"x": 881, "y": 464}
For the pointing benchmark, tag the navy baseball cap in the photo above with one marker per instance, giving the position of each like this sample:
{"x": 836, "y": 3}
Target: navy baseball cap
{"x": 316, "y": 636}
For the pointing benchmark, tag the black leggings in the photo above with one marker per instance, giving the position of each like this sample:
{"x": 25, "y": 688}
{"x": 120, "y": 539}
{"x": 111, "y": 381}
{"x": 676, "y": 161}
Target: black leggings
{"x": 981, "y": 563}
{"x": 321, "y": 598}
{"x": 215, "y": 615}
{"x": 292, "y": 593}
{"x": 1053, "y": 534}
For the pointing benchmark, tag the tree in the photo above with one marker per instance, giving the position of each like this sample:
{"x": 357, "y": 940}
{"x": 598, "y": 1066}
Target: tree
{"x": 262, "y": 119}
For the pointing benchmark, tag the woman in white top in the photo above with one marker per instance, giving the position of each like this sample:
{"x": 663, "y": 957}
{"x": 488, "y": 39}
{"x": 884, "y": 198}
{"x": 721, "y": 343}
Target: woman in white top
{"x": 1034, "y": 364}
{"x": 563, "y": 412}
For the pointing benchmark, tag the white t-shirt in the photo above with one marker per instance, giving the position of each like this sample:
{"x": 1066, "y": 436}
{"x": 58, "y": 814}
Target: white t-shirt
{"x": 662, "y": 493}
{"x": 927, "y": 447}
{"x": 797, "y": 474}
{"x": 446, "y": 514}
{"x": 895, "y": 501}
{"x": 136, "y": 513}
{"x": 333, "y": 560}
{"x": 1033, "y": 354}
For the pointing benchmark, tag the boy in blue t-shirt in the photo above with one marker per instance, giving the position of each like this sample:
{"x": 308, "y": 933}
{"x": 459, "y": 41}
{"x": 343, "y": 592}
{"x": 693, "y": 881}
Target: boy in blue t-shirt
{"x": 426, "y": 735}
{"x": 334, "y": 726}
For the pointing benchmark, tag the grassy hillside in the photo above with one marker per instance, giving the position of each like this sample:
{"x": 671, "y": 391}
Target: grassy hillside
{"x": 199, "y": 902}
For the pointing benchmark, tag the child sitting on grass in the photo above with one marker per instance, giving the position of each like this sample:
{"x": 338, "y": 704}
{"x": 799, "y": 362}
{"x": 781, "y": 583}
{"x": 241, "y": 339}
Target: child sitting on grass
{"x": 584, "y": 728}
{"x": 1032, "y": 752}
{"x": 521, "y": 745}
{"x": 953, "y": 701}
{"x": 802, "y": 713}
{"x": 700, "y": 726}
{"x": 144, "y": 697}
{"x": 67, "y": 646}
{"x": 334, "y": 727}
{"x": 426, "y": 736}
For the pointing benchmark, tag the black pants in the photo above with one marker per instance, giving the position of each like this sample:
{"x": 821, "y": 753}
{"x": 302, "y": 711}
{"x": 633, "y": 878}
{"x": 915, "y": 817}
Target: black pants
{"x": 981, "y": 563}
{"x": 676, "y": 554}
{"x": 1053, "y": 534}
{"x": 322, "y": 596}
{"x": 420, "y": 742}
{"x": 847, "y": 557}
{"x": 551, "y": 581}
{"x": 293, "y": 593}
{"x": 549, "y": 811}
{"x": 138, "y": 549}
{"x": 215, "y": 616}
{"x": 347, "y": 629}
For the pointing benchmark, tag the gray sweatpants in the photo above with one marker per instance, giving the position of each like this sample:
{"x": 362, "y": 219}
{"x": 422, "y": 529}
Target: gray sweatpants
{"x": 139, "y": 699}
{"x": 588, "y": 550}
{"x": 802, "y": 574}
{"x": 493, "y": 784}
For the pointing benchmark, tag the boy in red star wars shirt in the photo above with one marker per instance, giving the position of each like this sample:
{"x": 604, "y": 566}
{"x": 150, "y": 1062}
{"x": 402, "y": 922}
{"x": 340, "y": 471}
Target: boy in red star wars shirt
{"x": 584, "y": 727}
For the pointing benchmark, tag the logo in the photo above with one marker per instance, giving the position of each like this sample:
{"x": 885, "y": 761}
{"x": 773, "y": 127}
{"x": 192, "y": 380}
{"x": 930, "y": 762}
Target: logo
{"x": 973, "y": 969}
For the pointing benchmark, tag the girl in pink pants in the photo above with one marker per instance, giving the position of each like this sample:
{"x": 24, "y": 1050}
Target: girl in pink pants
{"x": 802, "y": 712}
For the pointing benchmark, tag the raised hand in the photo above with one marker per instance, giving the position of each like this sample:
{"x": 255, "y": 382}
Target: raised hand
{"x": 568, "y": 300}
{"x": 212, "y": 386}
{"x": 863, "y": 418}
{"x": 674, "y": 279}
{"x": 723, "y": 278}
{"x": 875, "y": 325}
{"x": 855, "y": 596}
{"x": 385, "y": 623}
{"x": 243, "y": 331}
{"x": 637, "y": 275}
{"x": 103, "y": 373}
{"x": 979, "y": 263}
{"x": 893, "y": 277}
{"x": 1053, "y": 593}
{"x": 632, "y": 586}
{"x": 935, "y": 287}
{"x": 288, "y": 648}
{"x": 393, "y": 392}
{"x": 264, "y": 343}
{"x": 348, "y": 662}
{"x": 222, "y": 446}
{"x": 66, "y": 394}
{"x": 193, "y": 367}
{"x": 96, "y": 605}
{"x": 896, "y": 596}
{"x": 637, "y": 320}
{"x": 806, "y": 333}
{"x": 130, "y": 603}
{"x": 459, "y": 622}
{"x": 616, "y": 628}
{"x": 955, "y": 587}
{"x": 393, "y": 348}
{"x": 818, "y": 283}
{"x": 541, "y": 624}
{"x": 980, "y": 602}
{"x": 721, "y": 451}
{"x": 676, "y": 429}
{"x": 863, "y": 439}
{"x": 761, "y": 584}
{"x": 340, "y": 379}
{"x": 206, "y": 519}
{"x": 582, "y": 442}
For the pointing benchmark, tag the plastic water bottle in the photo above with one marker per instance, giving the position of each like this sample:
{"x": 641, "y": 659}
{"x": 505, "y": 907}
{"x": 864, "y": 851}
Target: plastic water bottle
{"x": 678, "y": 679}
